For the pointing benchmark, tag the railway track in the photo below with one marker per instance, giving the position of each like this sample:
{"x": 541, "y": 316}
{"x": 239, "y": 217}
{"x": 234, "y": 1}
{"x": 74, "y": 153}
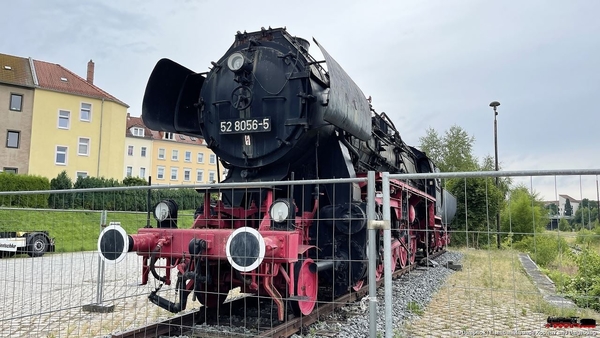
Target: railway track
{"x": 186, "y": 324}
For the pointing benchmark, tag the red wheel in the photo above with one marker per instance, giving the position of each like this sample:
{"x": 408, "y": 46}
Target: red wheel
{"x": 306, "y": 287}
{"x": 413, "y": 250}
{"x": 358, "y": 285}
{"x": 379, "y": 272}
{"x": 395, "y": 257}
{"x": 403, "y": 255}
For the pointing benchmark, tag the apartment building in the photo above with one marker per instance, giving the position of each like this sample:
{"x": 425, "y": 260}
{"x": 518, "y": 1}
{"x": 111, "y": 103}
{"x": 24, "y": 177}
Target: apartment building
{"x": 181, "y": 159}
{"x": 16, "y": 110}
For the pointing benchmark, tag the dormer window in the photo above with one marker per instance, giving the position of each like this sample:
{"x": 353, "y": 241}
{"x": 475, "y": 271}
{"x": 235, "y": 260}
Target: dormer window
{"x": 64, "y": 79}
{"x": 168, "y": 136}
{"x": 8, "y": 67}
{"x": 182, "y": 137}
{"x": 135, "y": 131}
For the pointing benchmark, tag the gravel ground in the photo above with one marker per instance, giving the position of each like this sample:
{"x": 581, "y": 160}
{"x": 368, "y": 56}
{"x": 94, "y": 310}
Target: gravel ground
{"x": 410, "y": 296}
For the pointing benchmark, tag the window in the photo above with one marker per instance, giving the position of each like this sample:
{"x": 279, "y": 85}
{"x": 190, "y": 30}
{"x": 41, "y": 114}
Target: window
{"x": 82, "y": 174}
{"x": 135, "y": 131}
{"x": 160, "y": 173}
{"x": 130, "y": 150}
{"x": 143, "y": 172}
{"x": 16, "y": 102}
{"x": 211, "y": 176}
{"x": 63, "y": 119}
{"x": 193, "y": 138}
{"x": 168, "y": 136}
{"x": 61, "y": 155}
{"x": 186, "y": 174}
{"x": 199, "y": 175}
{"x": 143, "y": 152}
{"x": 128, "y": 171}
{"x": 85, "y": 114}
{"x": 161, "y": 153}
{"x": 182, "y": 137}
{"x": 10, "y": 170}
{"x": 200, "y": 158}
{"x": 175, "y": 155}
{"x": 83, "y": 146}
{"x": 174, "y": 171}
{"x": 188, "y": 156}
{"x": 212, "y": 159}
{"x": 12, "y": 139}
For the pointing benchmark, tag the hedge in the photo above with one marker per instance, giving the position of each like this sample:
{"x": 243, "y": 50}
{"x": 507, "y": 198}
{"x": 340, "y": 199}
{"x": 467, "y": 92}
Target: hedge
{"x": 22, "y": 182}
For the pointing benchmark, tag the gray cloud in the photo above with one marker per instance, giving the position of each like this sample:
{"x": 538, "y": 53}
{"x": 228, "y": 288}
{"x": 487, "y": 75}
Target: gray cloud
{"x": 434, "y": 63}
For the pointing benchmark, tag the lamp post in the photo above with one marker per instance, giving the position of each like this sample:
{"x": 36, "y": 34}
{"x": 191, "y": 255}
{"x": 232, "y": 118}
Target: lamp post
{"x": 494, "y": 105}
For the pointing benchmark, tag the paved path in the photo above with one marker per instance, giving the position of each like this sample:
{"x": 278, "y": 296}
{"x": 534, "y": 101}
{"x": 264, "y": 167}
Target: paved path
{"x": 544, "y": 284}
{"x": 490, "y": 300}
{"x": 43, "y": 297}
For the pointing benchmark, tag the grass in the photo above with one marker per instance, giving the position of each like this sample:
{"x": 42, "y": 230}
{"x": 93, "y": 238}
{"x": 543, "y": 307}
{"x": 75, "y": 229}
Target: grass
{"x": 491, "y": 292}
{"x": 76, "y": 230}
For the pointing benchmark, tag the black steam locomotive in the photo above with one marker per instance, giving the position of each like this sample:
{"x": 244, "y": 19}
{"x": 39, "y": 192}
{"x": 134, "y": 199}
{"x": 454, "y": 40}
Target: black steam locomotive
{"x": 271, "y": 112}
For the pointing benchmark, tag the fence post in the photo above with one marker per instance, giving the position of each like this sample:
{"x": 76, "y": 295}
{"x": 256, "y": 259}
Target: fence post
{"x": 387, "y": 253}
{"x": 98, "y": 306}
{"x": 372, "y": 255}
{"x": 148, "y": 201}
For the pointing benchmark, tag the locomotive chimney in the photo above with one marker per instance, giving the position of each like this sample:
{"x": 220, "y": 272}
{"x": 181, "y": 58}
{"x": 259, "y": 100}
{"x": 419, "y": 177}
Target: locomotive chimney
{"x": 90, "y": 72}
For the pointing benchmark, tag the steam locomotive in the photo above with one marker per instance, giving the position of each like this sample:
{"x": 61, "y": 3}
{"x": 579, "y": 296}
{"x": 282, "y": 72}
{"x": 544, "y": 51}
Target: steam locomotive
{"x": 271, "y": 113}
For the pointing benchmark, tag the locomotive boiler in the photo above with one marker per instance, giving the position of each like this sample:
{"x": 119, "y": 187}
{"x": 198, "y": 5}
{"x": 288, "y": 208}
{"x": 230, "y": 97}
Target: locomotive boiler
{"x": 272, "y": 113}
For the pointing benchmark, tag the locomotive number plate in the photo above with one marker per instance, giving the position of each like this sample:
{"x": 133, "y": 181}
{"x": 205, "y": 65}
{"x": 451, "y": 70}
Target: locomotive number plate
{"x": 245, "y": 125}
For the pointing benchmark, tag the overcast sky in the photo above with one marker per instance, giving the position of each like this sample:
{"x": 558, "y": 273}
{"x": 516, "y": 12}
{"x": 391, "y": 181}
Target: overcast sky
{"x": 425, "y": 63}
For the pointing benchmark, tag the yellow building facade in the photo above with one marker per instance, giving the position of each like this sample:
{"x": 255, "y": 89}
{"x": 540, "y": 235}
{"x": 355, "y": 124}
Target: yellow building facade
{"x": 76, "y": 126}
{"x": 83, "y": 136}
{"x": 180, "y": 159}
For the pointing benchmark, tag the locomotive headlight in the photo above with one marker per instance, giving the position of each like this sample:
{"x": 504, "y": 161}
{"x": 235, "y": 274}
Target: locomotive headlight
{"x": 280, "y": 211}
{"x": 164, "y": 209}
{"x": 235, "y": 61}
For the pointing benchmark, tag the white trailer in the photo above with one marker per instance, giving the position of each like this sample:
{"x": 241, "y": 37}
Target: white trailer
{"x": 33, "y": 243}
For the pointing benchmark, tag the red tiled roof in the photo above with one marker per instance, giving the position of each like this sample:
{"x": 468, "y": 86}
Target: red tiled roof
{"x": 137, "y": 122}
{"x": 19, "y": 72}
{"x": 49, "y": 76}
{"x": 158, "y": 135}
{"x": 179, "y": 138}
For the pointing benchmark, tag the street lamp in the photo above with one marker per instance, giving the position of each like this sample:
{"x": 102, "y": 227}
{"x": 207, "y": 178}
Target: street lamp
{"x": 494, "y": 105}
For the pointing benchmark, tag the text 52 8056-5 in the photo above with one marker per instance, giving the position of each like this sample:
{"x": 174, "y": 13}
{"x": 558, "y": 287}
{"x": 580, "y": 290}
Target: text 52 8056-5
{"x": 245, "y": 125}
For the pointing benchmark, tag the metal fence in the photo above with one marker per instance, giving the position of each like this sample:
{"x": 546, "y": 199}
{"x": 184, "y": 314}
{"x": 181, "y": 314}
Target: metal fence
{"x": 483, "y": 290}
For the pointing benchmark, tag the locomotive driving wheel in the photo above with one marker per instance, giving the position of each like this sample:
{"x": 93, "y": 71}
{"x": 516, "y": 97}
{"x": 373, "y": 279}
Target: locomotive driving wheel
{"x": 305, "y": 287}
{"x": 395, "y": 257}
{"x": 403, "y": 254}
{"x": 413, "y": 250}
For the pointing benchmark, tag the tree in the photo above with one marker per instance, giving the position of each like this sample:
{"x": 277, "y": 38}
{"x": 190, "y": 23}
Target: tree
{"x": 552, "y": 209}
{"x": 478, "y": 199}
{"x": 563, "y": 225}
{"x": 524, "y": 215}
{"x": 452, "y": 152}
{"x": 568, "y": 208}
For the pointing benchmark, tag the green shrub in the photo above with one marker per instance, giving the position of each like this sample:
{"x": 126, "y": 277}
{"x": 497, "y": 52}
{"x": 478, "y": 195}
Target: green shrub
{"x": 23, "y": 182}
{"x": 584, "y": 288}
{"x": 543, "y": 248}
{"x": 61, "y": 201}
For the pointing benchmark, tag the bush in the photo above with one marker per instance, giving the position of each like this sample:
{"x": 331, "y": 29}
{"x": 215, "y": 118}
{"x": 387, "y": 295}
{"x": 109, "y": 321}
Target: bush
{"x": 584, "y": 288}
{"x": 544, "y": 248}
{"x": 61, "y": 201}
{"x": 22, "y": 182}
